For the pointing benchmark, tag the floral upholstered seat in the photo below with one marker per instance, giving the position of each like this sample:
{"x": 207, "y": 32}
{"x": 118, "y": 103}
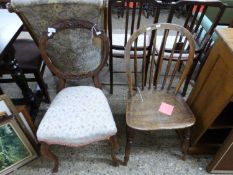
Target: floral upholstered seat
{"x": 77, "y": 116}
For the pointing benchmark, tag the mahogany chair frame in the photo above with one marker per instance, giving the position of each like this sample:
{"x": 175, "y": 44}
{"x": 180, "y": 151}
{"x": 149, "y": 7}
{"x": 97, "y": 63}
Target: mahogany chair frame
{"x": 138, "y": 116}
{"x": 94, "y": 74}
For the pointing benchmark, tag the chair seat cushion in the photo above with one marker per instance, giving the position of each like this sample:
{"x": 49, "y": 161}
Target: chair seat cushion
{"x": 118, "y": 40}
{"x": 145, "y": 115}
{"x": 169, "y": 45}
{"x": 77, "y": 116}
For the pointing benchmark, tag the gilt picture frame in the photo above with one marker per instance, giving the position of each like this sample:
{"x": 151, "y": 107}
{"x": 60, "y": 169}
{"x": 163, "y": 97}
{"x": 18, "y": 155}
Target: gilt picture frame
{"x": 15, "y": 148}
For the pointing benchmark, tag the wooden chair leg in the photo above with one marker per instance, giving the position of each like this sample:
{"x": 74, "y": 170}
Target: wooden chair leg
{"x": 45, "y": 152}
{"x": 129, "y": 141}
{"x": 114, "y": 150}
{"x": 43, "y": 86}
{"x": 186, "y": 143}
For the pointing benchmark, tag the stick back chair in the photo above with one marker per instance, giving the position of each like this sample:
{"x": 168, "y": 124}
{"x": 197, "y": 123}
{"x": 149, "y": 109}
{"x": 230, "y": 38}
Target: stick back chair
{"x": 155, "y": 103}
{"x": 199, "y": 25}
{"x": 89, "y": 115}
{"x": 133, "y": 20}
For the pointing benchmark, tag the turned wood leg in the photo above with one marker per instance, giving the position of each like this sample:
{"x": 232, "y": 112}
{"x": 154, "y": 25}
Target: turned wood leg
{"x": 114, "y": 150}
{"x": 186, "y": 143}
{"x": 45, "y": 152}
{"x": 129, "y": 141}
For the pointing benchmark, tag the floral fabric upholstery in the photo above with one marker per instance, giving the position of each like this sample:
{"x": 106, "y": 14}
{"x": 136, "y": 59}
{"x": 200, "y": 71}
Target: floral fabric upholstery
{"x": 71, "y": 51}
{"x": 77, "y": 116}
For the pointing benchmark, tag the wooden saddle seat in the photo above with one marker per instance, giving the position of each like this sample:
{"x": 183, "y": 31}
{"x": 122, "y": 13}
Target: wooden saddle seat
{"x": 145, "y": 115}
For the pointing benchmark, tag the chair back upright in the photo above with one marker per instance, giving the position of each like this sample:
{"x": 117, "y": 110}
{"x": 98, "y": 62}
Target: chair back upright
{"x": 161, "y": 74}
{"x": 71, "y": 51}
{"x": 196, "y": 20}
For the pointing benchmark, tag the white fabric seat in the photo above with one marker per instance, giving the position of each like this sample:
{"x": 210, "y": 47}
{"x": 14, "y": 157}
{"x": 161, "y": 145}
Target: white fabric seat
{"x": 169, "y": 45}
{"x": 77, "y": 116}
{"x": 118, "y": 40}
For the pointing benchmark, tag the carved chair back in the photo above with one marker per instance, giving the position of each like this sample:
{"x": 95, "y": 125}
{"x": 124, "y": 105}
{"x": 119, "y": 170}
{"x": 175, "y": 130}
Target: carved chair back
{"x": 67, "y": 57}
{"x": 158, "y": 67}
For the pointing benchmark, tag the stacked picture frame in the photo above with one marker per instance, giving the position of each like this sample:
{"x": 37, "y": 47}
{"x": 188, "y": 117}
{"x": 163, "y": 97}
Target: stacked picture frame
{"x": 17, "y": 137}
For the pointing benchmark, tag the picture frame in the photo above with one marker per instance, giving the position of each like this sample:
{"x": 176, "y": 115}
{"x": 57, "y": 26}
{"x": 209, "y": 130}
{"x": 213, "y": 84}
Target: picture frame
{"x": 22, "y": 116}
{"x": 25, "y": 121}
{"x": 16, "y": 150}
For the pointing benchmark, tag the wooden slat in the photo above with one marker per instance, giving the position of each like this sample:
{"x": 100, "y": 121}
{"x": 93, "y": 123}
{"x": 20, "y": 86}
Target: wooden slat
{"x": 153, "y": 62}
{"x": 170, "y": 60}
{"x": 144, "y": 63}
{"x": 126, "y": 22}
{"x": 160, "y": 58}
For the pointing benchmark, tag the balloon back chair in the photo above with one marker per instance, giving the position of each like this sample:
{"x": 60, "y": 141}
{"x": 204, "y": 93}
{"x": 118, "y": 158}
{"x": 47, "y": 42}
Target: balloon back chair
{"x": 155, "y": 103}
{"x": 78, "y": 115}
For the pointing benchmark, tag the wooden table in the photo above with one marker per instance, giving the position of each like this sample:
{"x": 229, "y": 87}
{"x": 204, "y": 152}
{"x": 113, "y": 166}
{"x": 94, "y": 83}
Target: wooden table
{"x": 10, "y": 28}
{"x": 211, "y": 97}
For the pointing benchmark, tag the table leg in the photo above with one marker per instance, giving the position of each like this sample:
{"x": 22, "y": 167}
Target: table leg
{"x": 1, "y": 92}
{"x": 19, "y": 77}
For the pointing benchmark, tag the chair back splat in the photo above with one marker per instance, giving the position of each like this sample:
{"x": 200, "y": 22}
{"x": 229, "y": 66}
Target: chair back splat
{"x": 69, "y": 65}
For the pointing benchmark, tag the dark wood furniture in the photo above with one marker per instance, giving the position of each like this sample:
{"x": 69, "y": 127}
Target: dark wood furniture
{"x": 133, "y": 20}
{"x": 155, "y": 103}
{"x": 11, "y": 26}
{"x": 222, "y": 162}
{"x": 195, "y": 16}
{"x": 211, "y": 97}
{"x": 64, "y": 73}
{"x": 28, "y": 56}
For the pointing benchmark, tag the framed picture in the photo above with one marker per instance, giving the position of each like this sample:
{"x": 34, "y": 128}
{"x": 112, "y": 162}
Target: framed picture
{"x": 27, "y": 124}
{"x": 22, "y": 117}
{"x": 15, "y": 148}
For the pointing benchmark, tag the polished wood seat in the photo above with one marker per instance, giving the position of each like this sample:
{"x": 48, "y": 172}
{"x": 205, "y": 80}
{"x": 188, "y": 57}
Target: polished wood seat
{"x": 146, "y": 116}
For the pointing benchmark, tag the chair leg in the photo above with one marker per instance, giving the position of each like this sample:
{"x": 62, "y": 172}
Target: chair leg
{"x": 43, "y": 86}
{"x": 186, "y": 143}
{"x": 129, "y": 141}
{"x": 114, "y": 150}
{"x": 45, "y": 152}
